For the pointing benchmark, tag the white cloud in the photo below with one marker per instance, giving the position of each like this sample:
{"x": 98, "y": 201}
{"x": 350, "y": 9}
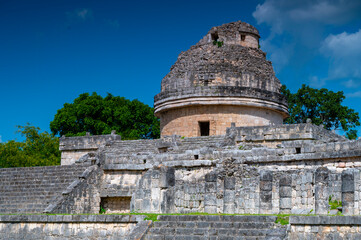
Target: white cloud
{"x": 315, "y": 82}
{"x": 326, "y": 11}
{"x": 80, "y": 14}
{"x": 351, "y": 83}
{"x": 1, "y": 139}
{"x": 298, "y": 30}
{"x": 344, "y": 44}
{"x": 344, "y": 51}
{"x": 84, "y": 13}
{"x": 283, "y": 14}
{"x": 354, "y": 94}
{"x": 113, "y": 23}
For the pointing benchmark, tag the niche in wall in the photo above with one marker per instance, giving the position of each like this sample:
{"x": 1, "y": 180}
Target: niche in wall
{"x": 116, "y": 204}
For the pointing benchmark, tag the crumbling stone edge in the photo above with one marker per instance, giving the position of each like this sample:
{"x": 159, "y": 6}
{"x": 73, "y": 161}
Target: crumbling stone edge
{"x": 325, "y": 220}
{"x": 78, "y": 218}
{"x": 140, "y": 230}
{"x": 57, "y": 201}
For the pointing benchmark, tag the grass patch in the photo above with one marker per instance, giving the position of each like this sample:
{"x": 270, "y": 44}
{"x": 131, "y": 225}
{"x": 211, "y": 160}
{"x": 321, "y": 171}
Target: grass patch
{"x": 283, "y": 219}
{"x": 152, "y": 217}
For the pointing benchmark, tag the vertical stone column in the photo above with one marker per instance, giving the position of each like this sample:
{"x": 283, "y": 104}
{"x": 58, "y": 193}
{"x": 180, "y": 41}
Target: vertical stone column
{"x": 210, "y": 195}
{"x": 321, "y": 190}
{"x": 285, "y": 193}
{"x": 166, "y": 198}
{"x": 348, "y": 178}
{"x": 265, "y": 191}
{"x": 229, "y": 195}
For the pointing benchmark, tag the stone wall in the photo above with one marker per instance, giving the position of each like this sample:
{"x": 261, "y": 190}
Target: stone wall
{"x": 287, "y": 135}
{"x": 325, "y": 227}
{"x": 185, "y": 121}
{"x": 82, "y": 195}
{"x": 115, "y": 204}
{"x": 119, "y": 183}
{"x": 237, "y": 188}
{"x": 233, "y": 33}
{"x": 26, "y": 227}
{"x": 73, "y": 148}
{"x": 134, "y": 227}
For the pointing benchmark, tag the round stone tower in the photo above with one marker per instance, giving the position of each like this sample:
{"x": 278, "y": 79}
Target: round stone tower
{"x": 223, "y": 79}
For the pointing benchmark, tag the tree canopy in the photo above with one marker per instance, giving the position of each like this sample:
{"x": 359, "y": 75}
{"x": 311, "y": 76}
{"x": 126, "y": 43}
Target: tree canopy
{"x": 38, "y": 149}
{"x": 322, "y": 107}
{"x": 98, "y": 115}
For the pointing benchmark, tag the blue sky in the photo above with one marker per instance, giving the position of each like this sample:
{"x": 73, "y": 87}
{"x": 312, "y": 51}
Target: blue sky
{"x": 52, "y": 51}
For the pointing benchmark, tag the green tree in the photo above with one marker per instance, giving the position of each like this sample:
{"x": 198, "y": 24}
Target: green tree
{"x": 98, "y": 115}
{"x": 38, "y": 149}
{"x": 352, "y": 134}
{"x": 322, "y": 107}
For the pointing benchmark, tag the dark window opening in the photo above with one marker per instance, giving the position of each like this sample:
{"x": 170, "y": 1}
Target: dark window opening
{"x": 204, "y": 128}
{"x": 214, "y": 36}
{"x": 163, "y": 149}
{"x": 115, "y": 204}
{"x": 196, "y": 157}
{"x": 243, "y": 37}
{"x": 206, "y": 83}
{"x": 298, "y": 150}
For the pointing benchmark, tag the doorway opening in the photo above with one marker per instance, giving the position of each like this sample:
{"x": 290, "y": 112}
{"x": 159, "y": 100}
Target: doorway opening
{"x": 204, "y": 128}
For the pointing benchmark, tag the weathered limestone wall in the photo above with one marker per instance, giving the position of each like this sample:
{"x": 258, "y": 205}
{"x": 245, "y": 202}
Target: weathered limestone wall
{"x": 185, "y": 121}
{"x": 69, "y": 157}
{"x": 238, "y": 188}
{"x": 73, "y": 148}
{"x": 81, "y": 196}
{"x": 234, "y": 33}
{"x": 325, "y": 227}
{"x": 26, "y": 227}
{"x": 116, "y": 204}
{"x": 119, "y": 183}
{"x": 286, "y": 135}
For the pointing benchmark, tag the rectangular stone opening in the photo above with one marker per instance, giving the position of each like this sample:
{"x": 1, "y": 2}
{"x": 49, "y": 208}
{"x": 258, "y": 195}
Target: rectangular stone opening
{"x": 204, "y": 128}
{"x": 214, "y": 36}
{"x": 298, "y": 150}
{"x": 115, "y": 204}
{"x": 243, "y": 37}
{"x": 163, "y": 149}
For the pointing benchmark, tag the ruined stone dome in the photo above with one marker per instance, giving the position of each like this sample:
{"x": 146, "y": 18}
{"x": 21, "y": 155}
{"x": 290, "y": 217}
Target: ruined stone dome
{"x": 226, "y": 67}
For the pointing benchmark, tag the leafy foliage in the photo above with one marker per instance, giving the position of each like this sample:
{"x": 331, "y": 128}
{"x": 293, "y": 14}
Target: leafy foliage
{"x": 283, "y": 219}
{"x": 334, "y": 204}
{"x": 352, "y": 134}
{"x": 102, "y": 210}
{"x": 38, "y": 149}
{"x": 218, "y": 43}
{"x": 322, "y": 107}
{"x": 98, "y": 115}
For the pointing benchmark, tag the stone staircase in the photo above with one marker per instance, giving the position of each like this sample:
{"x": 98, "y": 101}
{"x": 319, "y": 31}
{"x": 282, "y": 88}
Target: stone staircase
{"x": 30, "y": 190}
{"x": 216, "y": 227}
{"x": 199, "y": 142}
{"x": 133, "y": 147}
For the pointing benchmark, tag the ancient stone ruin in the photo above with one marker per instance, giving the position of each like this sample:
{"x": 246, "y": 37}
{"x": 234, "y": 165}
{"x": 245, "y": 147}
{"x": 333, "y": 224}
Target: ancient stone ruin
{"x": 224, "y": 150}
{"x": 224, "y": 78}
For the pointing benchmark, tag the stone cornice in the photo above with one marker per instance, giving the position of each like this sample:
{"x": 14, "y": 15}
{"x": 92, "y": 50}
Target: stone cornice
{"x": 238, "y": 96}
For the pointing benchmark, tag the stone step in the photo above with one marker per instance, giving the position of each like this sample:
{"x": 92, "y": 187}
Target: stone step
{"x": 213, "y": 231}
{"x": 215, "y": 225}
{"x": 30, "y": 190}
{"x": 217, "y": 218}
